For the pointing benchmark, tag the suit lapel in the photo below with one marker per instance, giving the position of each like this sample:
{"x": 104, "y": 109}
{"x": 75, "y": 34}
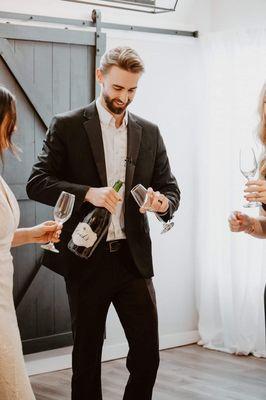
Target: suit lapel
{"x": 94, "y": 132}
{"x": 134, "y": 135}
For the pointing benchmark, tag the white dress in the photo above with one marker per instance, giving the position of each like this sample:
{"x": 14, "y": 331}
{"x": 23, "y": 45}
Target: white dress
{"x": 14, "y": 382}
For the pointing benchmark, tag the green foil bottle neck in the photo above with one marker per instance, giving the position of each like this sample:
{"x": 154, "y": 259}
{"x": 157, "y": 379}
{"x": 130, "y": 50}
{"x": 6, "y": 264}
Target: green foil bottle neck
{"x": 117, "y": 186}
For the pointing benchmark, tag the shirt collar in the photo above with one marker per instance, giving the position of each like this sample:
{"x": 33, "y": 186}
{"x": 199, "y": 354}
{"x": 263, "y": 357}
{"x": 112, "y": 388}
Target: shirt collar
{"x": 106, "y": 118}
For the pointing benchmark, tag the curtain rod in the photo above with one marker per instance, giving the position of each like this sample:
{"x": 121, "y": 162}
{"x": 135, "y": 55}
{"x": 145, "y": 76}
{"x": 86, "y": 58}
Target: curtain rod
{"x": 91, "y": 24}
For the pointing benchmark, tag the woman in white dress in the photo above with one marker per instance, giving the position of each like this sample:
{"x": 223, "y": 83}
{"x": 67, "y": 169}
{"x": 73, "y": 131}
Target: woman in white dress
{"x": 14, "y": 382}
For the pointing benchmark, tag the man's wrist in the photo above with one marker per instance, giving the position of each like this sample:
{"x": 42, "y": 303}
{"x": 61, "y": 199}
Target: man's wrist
{"x": 163, "y": 213}
{"x": 87, "y": 196}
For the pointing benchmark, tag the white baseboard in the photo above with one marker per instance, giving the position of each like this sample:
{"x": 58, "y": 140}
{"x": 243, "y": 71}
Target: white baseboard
{"x": 48, "y": 361}
{"x": 178, "y": 339}
{"x": 55, "y": 360}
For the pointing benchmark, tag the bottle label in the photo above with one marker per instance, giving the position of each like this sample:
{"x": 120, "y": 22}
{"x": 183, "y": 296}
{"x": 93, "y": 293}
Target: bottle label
{"x": 84, "y": 236}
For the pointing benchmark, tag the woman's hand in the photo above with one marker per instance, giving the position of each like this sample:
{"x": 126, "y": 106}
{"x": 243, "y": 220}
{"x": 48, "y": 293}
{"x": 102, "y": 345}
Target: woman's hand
{"x": 239, "y": 222}
{"x": 256, "y": 191}
{"x": 48, "y": 231}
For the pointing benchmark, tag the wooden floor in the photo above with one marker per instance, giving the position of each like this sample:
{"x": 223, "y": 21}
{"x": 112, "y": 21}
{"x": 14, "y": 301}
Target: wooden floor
{"x": 186, "y": 373}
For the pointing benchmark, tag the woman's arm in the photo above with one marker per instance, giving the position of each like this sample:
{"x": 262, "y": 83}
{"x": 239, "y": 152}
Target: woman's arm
{"x": 21, "y": 236}
{"x": 257, "y": 227}
{"x": 45, "y": 232}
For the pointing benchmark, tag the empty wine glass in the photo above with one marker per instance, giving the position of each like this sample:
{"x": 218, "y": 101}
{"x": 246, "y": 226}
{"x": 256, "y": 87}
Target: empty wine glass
{"x": 248, "y": 166}
{"x": 62, "y": 212}
{"x": 140, "y": 194}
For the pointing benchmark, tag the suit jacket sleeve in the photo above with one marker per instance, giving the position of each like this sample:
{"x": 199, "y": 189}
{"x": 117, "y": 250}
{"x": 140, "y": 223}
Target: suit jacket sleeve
{"x": 163, "y": 180}
{"x": 47, "y": 179}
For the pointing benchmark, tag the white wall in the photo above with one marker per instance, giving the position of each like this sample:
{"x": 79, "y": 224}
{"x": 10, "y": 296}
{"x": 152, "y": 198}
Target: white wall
{"x": 168, "y": 94}
{"x": 228, "y": 14}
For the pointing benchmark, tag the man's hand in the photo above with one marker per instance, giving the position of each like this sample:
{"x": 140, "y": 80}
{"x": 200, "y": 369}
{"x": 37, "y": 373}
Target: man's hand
{"x": 239, "y": 222}
{"x": 156, "y": 202}
{"x": 105, "y": 197}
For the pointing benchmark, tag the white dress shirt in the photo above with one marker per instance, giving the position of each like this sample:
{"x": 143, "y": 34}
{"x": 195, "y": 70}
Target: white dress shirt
{"x": 115, "y": 151}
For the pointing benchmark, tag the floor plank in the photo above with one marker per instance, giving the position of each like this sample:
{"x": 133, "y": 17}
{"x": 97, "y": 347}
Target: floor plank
{"x": 186, "y": 373}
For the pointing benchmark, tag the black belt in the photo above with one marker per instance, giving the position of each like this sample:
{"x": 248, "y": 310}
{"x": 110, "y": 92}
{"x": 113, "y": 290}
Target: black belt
{"x": 114, "y": 245}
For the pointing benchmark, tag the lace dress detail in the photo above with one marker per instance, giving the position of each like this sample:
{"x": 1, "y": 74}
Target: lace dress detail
{"x": 14, "y": 382}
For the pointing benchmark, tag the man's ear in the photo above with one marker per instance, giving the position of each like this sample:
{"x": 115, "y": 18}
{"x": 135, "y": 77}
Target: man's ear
{"x": 99, "y": 75}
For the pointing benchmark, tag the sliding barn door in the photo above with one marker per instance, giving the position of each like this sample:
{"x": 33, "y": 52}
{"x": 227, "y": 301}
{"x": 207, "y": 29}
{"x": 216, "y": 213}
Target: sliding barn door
{"x": 49, "y": 73}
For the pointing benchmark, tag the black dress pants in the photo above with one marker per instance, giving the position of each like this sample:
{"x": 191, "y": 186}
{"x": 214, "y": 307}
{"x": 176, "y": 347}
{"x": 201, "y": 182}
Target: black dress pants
{"x": 111, "y": 277}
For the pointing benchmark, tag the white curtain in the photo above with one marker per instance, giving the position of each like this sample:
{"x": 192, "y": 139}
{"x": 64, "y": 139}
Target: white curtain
{"x": 230, "y": 267}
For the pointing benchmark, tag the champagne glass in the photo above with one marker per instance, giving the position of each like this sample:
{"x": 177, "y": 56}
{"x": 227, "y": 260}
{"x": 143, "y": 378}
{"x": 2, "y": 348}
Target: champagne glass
{"x": 62, "y": 212}
{"x": 140, "y": 194}
{"x": 248, "y": 166}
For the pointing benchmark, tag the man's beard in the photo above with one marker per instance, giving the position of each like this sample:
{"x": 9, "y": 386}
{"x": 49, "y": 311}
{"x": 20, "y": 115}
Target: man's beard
{"x": 112, "y": 107}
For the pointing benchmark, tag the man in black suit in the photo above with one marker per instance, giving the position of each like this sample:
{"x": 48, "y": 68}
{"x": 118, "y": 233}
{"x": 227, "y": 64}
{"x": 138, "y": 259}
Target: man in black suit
{"x": 85, "y": 152}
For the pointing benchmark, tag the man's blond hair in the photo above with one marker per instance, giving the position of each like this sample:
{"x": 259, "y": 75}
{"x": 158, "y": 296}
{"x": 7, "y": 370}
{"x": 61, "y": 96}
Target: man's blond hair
{"x": 123, "y": 57}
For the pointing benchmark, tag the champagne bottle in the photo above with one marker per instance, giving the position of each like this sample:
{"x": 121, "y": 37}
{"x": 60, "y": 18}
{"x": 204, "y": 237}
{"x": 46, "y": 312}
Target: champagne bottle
{"x": 91, "y": 230}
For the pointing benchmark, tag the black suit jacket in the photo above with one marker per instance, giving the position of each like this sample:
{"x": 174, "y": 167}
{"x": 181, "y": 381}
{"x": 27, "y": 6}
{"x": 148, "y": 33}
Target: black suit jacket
{"x": 72, "y": 159}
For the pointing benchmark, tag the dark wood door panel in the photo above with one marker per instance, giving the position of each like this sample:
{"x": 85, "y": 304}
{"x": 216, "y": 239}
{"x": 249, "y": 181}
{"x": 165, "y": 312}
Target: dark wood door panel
{"x": 64, "y": 74}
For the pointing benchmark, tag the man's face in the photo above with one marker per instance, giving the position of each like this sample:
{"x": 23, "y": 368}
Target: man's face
{"x": 118, "y": 88}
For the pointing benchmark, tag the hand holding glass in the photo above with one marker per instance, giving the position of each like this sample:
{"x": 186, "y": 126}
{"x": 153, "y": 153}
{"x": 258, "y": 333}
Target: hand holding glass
{"x": 248, "y": 166}
{"x": 140, "y": 194}
{"x": 62, "y": 212}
